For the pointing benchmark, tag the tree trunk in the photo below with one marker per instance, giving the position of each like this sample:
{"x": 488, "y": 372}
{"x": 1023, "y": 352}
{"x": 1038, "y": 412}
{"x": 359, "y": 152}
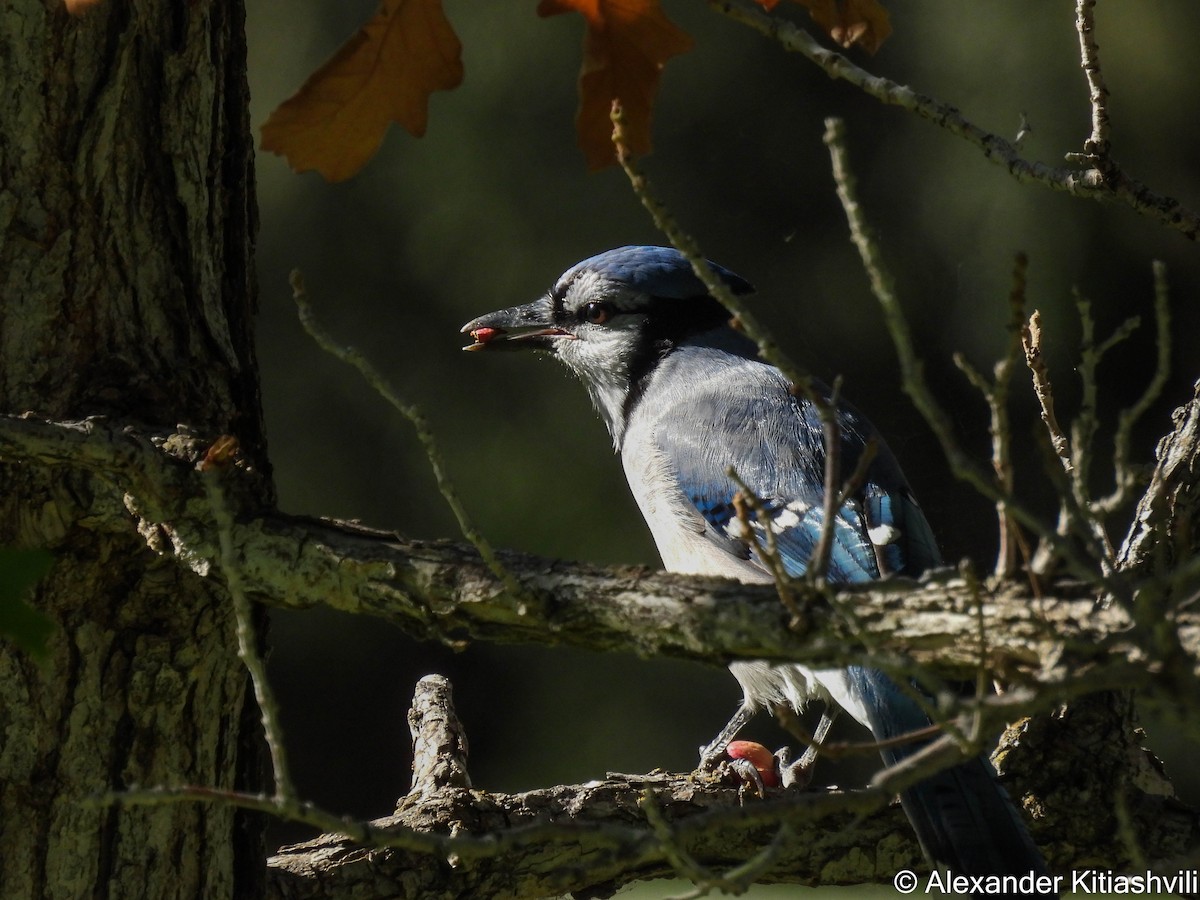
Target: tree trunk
{"x": 126, "y": 236}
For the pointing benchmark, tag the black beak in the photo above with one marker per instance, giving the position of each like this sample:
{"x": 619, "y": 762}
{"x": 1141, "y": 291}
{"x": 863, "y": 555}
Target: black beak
{"x": 517, "y": 327}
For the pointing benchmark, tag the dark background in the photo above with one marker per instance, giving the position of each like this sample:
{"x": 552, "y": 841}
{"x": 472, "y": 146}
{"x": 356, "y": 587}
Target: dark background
{"x": 495, "y": 202}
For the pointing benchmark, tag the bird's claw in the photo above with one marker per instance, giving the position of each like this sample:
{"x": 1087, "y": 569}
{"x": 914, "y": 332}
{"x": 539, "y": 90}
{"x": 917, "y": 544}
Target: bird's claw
{"x": 745, "y": 771}
{"x": 711, "y": 756}
{"x": 794, "y": 773}
{"x": 756, "y": 769}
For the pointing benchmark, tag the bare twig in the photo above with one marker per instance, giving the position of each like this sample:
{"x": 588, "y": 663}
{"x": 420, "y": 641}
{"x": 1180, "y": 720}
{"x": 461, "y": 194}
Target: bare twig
{"x": 353, "y": 357}
{"x": 996, "y": 395}
{"x": 1126, "y": 480}
{"x": 818, "y": 563}
{"x": 1110, "y": 184}
{"x": 1010, "y": 534}
{"x": 912, "y": 371}
{"x": 743, "y": 319}
{"x": 247, "y": 637}
{"x": 1087, "y": 421}
{"x": 746, "y": 503}
{"x": 1097, "y": 145}
{"x": 1080, "y": 513}
{"x": 982, "y": 674}
{"x": 802, "y": 382}
{"x": 1031, "y": 339}
{"x": 734, "y": 881}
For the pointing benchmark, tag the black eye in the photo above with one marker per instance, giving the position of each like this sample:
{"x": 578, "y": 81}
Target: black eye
{"x": 597, "y": 312}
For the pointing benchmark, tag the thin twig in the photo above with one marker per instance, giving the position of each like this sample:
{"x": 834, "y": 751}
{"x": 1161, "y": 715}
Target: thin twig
{"x": 1097, "y": 145}
{"x": 247, "y": 637}
{"x": 911, "y": 369}
{"x": 1079, "y": 513}
{"x": 1110, "y": 184}
{"x": 982, "y": 681}
{"x": 289, "y": 810}
{"x": 818, "y": 562}
{"x": 735, "y": 881}
{"x": 354, "y": 357}
{"x": 745, "y": 502}
{"x": 852, "y": 485}
{"x": 1001, "y": 462}
{"x": 1126, "y": 480}
{"x": 802, "y": 383}
{"x": 995, "y": 394}
{"x": 743, "y": 318}
{"x": 465, "y": 846}
{"x": 680, "y": 860}
{"x": 1126, "y": 828}
{"x": 1010, "y": 537}
{"x": 1031, "y": 339}
{"x": 1087, "y": 420}
{"x": 1060, "y": 458}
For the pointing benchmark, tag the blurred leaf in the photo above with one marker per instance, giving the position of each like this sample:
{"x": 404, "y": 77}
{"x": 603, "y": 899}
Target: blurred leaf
{"x": 78, "y": 7}
{"x": 626, "y": 45}
{"x": 849, "y": 22}
{"x": 385, "y": 73}
{"x": 25, "y": 626}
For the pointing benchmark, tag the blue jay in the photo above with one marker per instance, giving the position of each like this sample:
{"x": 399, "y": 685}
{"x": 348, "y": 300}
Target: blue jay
{"x": 685, "y": 397}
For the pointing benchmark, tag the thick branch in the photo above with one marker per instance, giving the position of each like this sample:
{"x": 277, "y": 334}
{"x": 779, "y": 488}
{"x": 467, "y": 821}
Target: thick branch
{"x": 592, "y": 838}
{"x": 1165, "y": 531}
{"x": 442, "y": 591}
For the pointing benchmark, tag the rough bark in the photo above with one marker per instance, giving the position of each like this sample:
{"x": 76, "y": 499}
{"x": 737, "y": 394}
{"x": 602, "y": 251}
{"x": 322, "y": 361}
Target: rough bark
{"x": 126, "y": 228}
{"x": 590, "y": 839}
{"x": 1080, "y": 772}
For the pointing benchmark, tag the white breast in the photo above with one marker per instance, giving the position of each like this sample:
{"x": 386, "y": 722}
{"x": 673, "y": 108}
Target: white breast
{"x": 679, "y": 531}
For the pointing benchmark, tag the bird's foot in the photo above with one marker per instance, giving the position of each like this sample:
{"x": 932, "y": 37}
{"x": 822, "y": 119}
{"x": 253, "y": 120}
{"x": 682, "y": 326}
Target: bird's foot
{"x": 749, "y": 778}
{"x": 757, "y": 769}
{"x": 712, "y": 756}
{"x": 796, "y": 773}
{"x": 753, "y": 766}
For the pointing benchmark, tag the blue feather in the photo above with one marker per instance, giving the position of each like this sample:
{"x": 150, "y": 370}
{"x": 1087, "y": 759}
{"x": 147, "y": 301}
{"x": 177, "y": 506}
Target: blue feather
{"x": 658, "y": 271}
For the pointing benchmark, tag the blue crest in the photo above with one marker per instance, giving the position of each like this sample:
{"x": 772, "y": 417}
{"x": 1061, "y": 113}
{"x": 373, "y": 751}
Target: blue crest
{"x": 657, "y": 271}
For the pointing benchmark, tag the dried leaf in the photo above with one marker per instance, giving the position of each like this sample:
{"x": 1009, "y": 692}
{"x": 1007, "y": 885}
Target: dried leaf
{"x": 385, "y": 73}
{"x": 221, "y": 453}
{"x": 626, "y": 45}
{"x": 77, "y": 8}
{"x": 862, "y": 23}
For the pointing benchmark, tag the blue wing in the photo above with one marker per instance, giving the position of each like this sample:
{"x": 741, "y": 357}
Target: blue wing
{"x": 962, "y": 816}
{"x": 880, "y": 531}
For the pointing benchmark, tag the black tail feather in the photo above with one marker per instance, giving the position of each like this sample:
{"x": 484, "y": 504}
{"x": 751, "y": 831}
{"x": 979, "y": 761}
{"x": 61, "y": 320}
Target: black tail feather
{"x": 965, "y": 819}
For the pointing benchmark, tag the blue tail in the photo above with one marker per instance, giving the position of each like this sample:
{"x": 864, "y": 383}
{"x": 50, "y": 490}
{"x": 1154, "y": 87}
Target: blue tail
{"x": 963, "y": 816}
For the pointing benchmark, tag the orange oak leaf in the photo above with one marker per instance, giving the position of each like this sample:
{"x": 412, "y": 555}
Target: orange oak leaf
{"x": 77, "y": 8}
{"x": 626, "y": 45}
{"x": 849, "y": 22}
{"x": 383, "y": 74}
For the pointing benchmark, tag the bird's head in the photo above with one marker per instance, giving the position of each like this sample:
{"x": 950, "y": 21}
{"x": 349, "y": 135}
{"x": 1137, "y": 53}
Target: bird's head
{"x": 610, "y": 319}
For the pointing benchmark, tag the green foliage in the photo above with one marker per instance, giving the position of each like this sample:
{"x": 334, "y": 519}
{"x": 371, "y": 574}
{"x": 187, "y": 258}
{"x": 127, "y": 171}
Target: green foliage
{"x": 21, "y": 623}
